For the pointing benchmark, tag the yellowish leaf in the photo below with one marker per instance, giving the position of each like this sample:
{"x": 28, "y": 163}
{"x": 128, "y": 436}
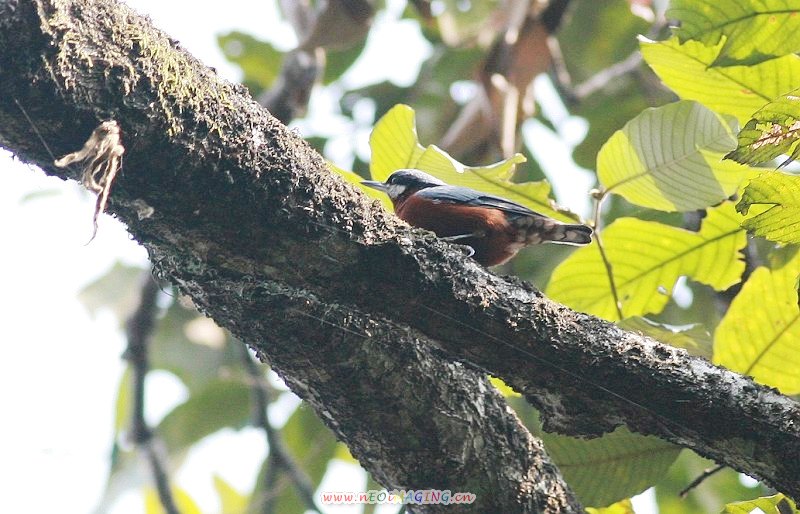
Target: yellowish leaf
{"x": 645, "y": 260}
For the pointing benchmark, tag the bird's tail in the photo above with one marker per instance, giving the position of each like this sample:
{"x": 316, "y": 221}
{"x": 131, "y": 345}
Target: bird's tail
{"x": 568, "y": 234}
{"x": 537, "y": 229}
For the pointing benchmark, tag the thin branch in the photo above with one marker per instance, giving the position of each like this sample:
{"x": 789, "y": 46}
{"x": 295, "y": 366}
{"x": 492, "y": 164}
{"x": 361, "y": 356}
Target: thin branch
{"x": 574, "y": 94}
{"x": 160, "y": 476}
{"x": 139, "y": 328}
{"x": 697, "y": 481}
{"x": 599, "y": 197}
{"x": 279, "y": 456}
{"x": 603, "y": 78}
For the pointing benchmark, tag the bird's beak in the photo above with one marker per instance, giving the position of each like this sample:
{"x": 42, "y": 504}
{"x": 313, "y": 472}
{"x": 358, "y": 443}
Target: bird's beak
{"x": 374, "y": 184}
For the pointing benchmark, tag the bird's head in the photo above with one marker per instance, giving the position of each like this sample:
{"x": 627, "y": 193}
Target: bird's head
{"x": 403, "y": 182}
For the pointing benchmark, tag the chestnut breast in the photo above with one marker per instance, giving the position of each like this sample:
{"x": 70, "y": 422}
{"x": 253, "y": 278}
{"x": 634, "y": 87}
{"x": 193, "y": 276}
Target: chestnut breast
{"x": 494, "y": 238}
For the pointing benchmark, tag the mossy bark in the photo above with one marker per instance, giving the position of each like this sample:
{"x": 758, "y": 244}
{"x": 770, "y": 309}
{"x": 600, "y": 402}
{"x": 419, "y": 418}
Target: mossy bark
{"x": 361, "y": 314}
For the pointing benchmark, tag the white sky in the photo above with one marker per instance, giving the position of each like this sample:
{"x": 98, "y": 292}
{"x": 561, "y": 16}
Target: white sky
{"x": 59, "y": 368}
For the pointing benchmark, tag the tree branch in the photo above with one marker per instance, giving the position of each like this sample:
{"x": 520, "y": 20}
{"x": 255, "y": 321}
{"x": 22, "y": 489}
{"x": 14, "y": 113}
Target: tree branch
{"x": 279, "y": 457}
{"x": 139, "y": 329}
{"x": 247, "y": 220}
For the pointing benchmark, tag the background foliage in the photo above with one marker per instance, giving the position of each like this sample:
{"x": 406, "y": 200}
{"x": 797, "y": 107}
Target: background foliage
{"x": 672, "y": 258}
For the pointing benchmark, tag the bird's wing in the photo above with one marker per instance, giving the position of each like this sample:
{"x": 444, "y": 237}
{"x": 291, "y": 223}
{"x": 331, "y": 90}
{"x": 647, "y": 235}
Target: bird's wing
{"x": 467, "y": 196}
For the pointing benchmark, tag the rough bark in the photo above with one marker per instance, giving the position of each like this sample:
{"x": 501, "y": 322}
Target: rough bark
{"x": 247, "y": 219}
{"x": 415, "y": 420}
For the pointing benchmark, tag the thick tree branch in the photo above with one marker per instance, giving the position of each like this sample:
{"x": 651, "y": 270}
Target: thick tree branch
{"x": 415, "y": 420}
{"x": 247, "y": 219}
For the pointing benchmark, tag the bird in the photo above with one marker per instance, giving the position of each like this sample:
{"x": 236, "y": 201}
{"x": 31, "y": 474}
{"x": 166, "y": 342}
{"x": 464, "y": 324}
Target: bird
{"x": 494, "y": 227}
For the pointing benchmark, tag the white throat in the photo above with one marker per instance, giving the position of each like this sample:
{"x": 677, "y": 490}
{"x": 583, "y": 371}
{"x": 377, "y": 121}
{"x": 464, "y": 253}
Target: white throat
{"x": 395, "y": 190}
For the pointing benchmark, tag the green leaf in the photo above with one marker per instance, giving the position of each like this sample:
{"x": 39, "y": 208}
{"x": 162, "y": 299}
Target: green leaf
{"x": 260, "y": 61}
{"x": 736, "y": 90}
{"x": 646, "y": 259}
{"x": 339, "y": 61}
{"x": 221, "y": 404}
{"x": 506, "y": 390}
{"x": 608, "y": 111}
{"x": 752, "y": 30}
{"x": 773, "y": 131}
{"x": 395, "y": 145}
{"x": 610, "y": 468}
{"x": 777, "y": 504}
{"x": 493, "y": 179}
{"x": 760, "y": 334}
{"x": 309, "y": 441}
{"x": 233, "y": 502}
{"x": 343, "y": 454}
{"x": 118, "y": 289}
{"x": 693, "y": 338}
{"x": 670, "y": 158}
{"x": 122, "y": 407}
{"x": 621, "y": 507}
{"x": 195, "y": 363}
{"x": 777, "y": 196}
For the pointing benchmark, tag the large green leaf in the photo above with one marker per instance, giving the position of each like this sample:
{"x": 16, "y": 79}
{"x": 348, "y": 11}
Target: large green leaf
{"x": 774, "y": 130}
{"x": 493, "y": 179}
{"x": 777, "y": 504}
{"x": 609, "y": 110}
{"x": 613, "y": 467}
{"x": 670, "y": 158}
{"x": 736, "y": 90}
{"x": 778, "y": 194}
{"x": 753, "y": 30}
{"x": 760, "y": 334}
{"x": 395, "y": 145}
{"x": 646, "y": 259}
{"x": 221, "y": 404}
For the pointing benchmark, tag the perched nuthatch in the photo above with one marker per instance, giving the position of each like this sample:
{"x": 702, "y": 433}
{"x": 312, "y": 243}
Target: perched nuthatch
{"x": 495, "y": 228}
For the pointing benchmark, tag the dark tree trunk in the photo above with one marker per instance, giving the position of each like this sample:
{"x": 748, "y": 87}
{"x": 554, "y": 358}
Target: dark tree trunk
{"x": 364, "y": 317}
